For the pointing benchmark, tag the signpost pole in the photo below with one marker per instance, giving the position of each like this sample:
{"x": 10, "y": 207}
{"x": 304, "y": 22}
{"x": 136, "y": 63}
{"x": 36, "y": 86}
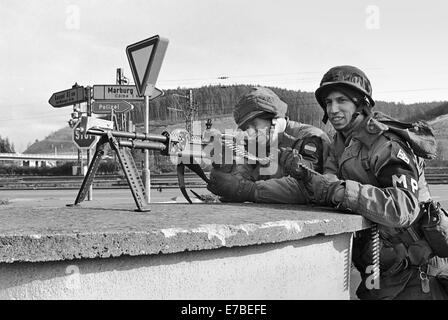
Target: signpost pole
{"x": 89, "y": 155}
{"x": 145, "y": 59}
{"x": 146, "y": 173}
{"x": 80, "y": 162}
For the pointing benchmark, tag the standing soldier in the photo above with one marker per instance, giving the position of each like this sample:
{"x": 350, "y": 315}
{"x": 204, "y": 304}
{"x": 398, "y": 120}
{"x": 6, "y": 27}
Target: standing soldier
{"x": 256, "y": 113}
{"x": 375, "y": 169}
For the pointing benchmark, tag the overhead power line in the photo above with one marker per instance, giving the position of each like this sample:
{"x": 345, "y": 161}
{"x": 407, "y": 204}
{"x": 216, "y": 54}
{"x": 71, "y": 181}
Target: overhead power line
{"x": 226, "y": 77}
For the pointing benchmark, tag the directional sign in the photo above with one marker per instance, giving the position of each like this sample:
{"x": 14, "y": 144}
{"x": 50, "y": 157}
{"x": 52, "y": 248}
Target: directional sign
{"x": 156, "y": 93}
{"x": 115, "y": 92}
{"x": 105, "y": 107}
{"x": 81, "y": 139}
{"x": 68, "y": 97}
{"x": 145, "y": 59}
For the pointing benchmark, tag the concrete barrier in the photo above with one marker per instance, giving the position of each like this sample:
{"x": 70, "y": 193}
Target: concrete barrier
{"x": 176, "y": 251}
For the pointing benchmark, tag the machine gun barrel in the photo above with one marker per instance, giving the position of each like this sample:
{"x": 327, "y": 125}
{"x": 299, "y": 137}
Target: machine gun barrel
{"x": 151, "y": 145}
{"x": 130, "y": 135}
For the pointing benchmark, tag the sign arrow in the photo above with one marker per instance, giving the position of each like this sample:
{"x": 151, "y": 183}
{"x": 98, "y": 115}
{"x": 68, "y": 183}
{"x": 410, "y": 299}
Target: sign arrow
{"x": 156, "y": 93}
{"x": 68, "y": 97}
{"x": 105, "y": 107}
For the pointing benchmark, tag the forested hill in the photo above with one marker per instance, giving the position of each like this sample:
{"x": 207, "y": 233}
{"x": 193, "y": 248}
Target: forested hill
{"x": 302, "y": 106}
{"x": 217, "y": 102}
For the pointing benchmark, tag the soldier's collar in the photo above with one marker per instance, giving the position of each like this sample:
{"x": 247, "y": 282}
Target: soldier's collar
{"x": 369, "y": 130}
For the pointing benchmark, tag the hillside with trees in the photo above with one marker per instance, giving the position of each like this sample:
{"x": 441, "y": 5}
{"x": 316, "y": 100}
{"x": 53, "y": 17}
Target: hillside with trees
{"x": 302, "y": 106}
{"x": 58, "y": 142}
{"x": 6, "y": 146}
{"x": 217, "y": 102}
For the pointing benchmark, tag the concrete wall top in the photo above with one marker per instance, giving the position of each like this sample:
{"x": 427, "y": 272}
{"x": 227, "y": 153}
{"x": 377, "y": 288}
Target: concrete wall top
{"x": 64, "y": 233}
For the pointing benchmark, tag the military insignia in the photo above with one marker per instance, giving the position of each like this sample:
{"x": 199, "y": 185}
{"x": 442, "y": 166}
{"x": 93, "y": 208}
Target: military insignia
{"x": 310, "y": 148}
{"x": 400, "y": 181}
{"x": 401, "y": 155}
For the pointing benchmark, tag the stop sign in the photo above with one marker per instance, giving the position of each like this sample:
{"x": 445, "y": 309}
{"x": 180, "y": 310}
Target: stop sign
{"x": 81, "y": 139}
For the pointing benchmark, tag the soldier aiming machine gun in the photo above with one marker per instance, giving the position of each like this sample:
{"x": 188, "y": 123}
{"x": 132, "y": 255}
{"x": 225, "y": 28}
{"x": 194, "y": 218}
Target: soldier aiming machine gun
{"x": 184, "y": 150}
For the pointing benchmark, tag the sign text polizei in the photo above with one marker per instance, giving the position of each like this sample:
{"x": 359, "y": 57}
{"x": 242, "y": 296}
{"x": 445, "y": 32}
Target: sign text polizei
{"x": 106, "y": 107}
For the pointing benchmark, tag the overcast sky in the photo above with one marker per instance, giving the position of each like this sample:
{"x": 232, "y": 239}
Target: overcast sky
{"x": 47, "y": 46}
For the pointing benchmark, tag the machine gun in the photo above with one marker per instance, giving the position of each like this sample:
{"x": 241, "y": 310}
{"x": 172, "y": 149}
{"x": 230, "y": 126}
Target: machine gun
{"x": 185, "y": 150}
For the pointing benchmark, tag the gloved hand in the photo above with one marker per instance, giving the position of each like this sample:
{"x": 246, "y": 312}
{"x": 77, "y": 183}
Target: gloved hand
{"x": 325, "y": 191}
{"x": 232, "y": 186}
{"x": 290, "y": 160}
{"x": 419, "y": 252}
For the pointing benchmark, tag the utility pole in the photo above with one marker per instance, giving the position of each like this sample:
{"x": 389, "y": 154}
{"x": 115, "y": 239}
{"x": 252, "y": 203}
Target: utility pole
{"x": 89, "y": 151}
{"x": 122, "y": 119}
{"x": 190, "y": 110}
{"x": 77, "y": 114}
{"x": 146, "y": 173}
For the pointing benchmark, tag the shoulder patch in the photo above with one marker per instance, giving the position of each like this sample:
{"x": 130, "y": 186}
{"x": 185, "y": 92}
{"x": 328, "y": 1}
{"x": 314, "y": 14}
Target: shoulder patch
{"x": 401, "y": 155}
{"x": 310, "y": 147}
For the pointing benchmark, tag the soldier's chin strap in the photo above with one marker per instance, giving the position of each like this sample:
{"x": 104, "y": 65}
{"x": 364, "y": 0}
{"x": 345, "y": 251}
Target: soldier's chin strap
{"x": 364, "y": 107}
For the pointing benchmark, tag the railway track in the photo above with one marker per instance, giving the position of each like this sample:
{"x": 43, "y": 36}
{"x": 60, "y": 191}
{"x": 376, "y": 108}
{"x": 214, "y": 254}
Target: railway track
{"x": 100, "y": 182}
{"x": 166, "y": 180}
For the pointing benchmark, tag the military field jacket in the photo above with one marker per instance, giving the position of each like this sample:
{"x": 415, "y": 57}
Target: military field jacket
{"x": 313, "y": 144}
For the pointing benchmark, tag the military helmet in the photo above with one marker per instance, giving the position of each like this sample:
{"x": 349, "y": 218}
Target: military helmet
{"x": 344, "y": 77}
{"x": 258, "y": 102}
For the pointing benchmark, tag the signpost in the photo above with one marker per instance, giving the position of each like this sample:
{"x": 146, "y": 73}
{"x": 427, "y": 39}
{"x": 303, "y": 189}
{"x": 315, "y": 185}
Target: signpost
{"x": 145, "y": 59}
{"x": 68, "y": 97}
{"x": 115, "y": 92}
{"x": 84, "y": 141}
{"x": 81, "y": 139}
{"x": 106, "y": 106}
{"x": 156, "y": 93}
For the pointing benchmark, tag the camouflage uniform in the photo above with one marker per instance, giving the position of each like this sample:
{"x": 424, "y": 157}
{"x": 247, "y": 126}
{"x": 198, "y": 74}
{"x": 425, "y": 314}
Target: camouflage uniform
{"x": 373, "y": 170}
{"x": 384, "y": 182}
{"x": 311, "y": 142}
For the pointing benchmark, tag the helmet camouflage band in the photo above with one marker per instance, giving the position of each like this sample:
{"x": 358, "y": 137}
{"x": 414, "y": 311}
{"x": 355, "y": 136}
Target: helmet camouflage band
{"x": 344, "y": 77}
{"x": 258, "y": 102}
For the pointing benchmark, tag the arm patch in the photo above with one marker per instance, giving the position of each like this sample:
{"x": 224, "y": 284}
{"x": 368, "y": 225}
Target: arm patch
{"x": 404, "y": 181}
{"x": 311, "y": 150}
{"x": 398, "y": 169}
{"x": 401, "y": 155}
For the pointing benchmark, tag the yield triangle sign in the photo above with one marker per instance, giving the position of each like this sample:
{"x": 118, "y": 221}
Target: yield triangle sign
{"x": 145, "y": 59}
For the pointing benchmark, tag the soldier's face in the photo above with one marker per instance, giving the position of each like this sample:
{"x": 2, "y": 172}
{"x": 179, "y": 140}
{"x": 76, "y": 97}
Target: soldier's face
{"x": 256, "y": 124}
{"x": 340, "y": 109}
{"x": 258, "y": 128}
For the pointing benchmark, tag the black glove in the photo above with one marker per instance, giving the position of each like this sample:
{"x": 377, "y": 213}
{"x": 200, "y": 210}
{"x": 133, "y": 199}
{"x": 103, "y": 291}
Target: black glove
{"x": 233, "y": 186}
{"x": 326, "y": 192}
{"x": 245, "y": 170}
{"x": 292, "y": 161}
